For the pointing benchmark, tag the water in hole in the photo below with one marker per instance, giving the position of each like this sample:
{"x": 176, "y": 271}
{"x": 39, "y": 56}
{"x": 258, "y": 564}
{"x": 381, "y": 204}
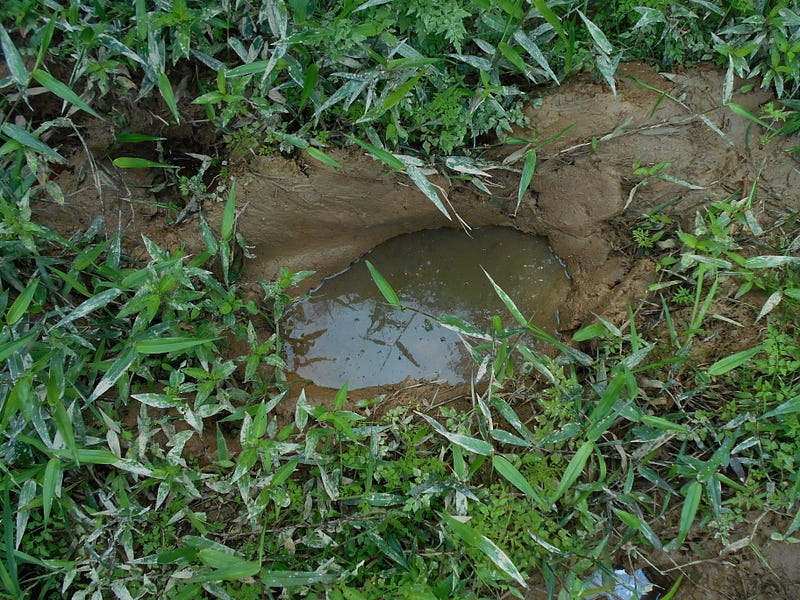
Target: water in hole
{"x": 345, "y": 332}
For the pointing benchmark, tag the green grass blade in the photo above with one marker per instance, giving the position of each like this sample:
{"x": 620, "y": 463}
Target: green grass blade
{"x": 259, "y": 66}
{"x": 50, "y": 482}
{"x": 8, "y": 568}
{"x": 20, "y": 306}
{"x": 165, "y": 87}
{"x": 527, "y": 175}
{"x": 117, "y": 369}
{"x": 514, "y": 58}
{"x": 512, "y": 308}
{"x": 323, "y": 158}
{"x": 209, "y": 239}
{"x": 309, "y": 83}
{"x": 550, "y": 17}
{"x": 663, "y": 424}
{"x": 228, "y": 216}
{"x": 770, "y": 261}
{"x": 65, "y": 428}
{"x": 729, "y": 363}
{"x": 787, "y": 408}
{"x": 385, "y": 288}
{"x": 426, "y": 187}
{"x": 474, "y": 538}
{"x": 608, "y": 399}
{"x": 401, "y": 92}
{"x": 87, "y": 307}
{"x": 597, "y": 34}
{"x": 690, "y": 505}
{"x": 132, "y": 162}
{"x": 574, "y": 469}
{"x": 380, "y": 154}
{"x": 639, "y": 525}
{"x": 63, "y": 91}
{"x": 471, "y": 444}
{"x": 292, "y": 579}
{"x": 27, "y": 139}
{"x": 87, "y": 456}
{"x": 511, "y": 8}
{"x": 135, "y": 138}
{"x": 14, "y": 60}
{"x": 8, "y": 348}
{"x": 47, "y": 37}
{"x": 743, "y": 112}
{"x": 517, "y": 479}
{"x": 165, "y": 345}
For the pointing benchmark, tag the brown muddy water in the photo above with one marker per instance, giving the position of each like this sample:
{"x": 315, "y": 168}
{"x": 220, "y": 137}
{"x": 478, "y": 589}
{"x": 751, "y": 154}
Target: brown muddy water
{"x": 345, "y": 331}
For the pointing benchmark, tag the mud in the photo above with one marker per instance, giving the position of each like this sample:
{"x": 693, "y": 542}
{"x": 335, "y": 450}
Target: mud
{"x": 584, "y": 199}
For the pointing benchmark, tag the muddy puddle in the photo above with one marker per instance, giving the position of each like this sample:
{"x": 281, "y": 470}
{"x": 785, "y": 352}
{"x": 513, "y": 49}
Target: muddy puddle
{"x": 345, "y": 332}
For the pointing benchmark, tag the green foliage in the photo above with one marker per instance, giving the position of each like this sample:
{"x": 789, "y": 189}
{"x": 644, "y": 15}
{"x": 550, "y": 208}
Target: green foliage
{"x": 142, "y": 454}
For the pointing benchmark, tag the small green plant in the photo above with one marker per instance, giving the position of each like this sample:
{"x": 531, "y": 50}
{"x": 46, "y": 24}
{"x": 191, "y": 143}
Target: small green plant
{"x": 682, "y": 296}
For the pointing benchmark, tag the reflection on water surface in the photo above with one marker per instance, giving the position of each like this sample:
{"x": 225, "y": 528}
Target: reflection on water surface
{"x": 345, "y": 331}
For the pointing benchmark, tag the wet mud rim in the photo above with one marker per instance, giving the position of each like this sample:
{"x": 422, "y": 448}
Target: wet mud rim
{"x": 583, "y": 199}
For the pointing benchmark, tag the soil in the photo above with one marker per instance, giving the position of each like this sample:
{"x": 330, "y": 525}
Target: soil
{"x": 584, "y": 198}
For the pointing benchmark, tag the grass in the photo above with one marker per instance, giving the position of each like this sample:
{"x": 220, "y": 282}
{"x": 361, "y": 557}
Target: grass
{"x": 142, "y": 455}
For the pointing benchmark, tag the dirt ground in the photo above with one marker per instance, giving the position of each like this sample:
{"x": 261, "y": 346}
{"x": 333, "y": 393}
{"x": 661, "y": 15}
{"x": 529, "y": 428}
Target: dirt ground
{"x": 583, "y": 198}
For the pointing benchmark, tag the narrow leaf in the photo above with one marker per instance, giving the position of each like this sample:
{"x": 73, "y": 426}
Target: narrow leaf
{"x": 89, "y": 306}
{"x": 770, "y": 261}
{"x": 401, "y": 92}
{"x": 229, "y": 216}
{"x": 733, "y": 361}
{"x": 309, "y": 83}
{"x": 20, "y": 306}
{"x": 515, "y": 312}
{"x": 527, "y": 176}
{"x": 259, "y": 66}
{"x": 514, "y": 58}
{"x": 132, "y": 162}
{"x": 115, "y": 371}
{"x": 165, "y": 87}
{"x": 574, "y": 469}
{"x": 474, "y": 538}
{"x": 290, "y": 579}
{"x": 743, "y": 112}
{"x": 787, "y": 408}
{"x": 385, "y": 288}
{"x": 690, "y": 505}
{"x": 426, "y": 187}
{"x": 385, "y": 157}
{"x": 27, "y": 139}
{"x": 517, "y": 479}
{"x": 134, "y": 138}
{"x": 13, "y": 59}
{"x": 474, "y": 445}
{"x": 165, "y": 345}
{"x": 50, "y": 483}
{"x": 598, "y": 36}
{"x": 323, "y": 158}
{"x": 550, "y": 17}
{"x": 63, "y": 91}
